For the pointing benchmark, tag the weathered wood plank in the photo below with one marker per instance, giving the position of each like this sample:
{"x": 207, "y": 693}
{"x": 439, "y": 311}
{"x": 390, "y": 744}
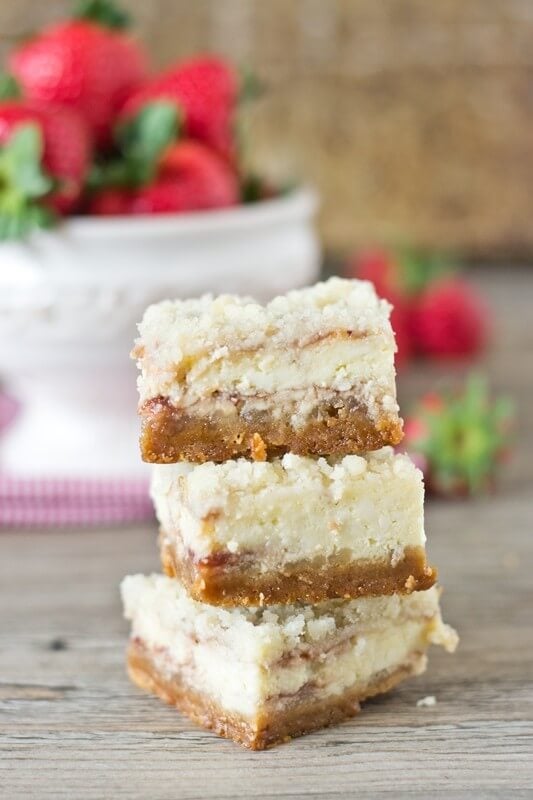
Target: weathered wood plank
{"x": 71, "y": 725}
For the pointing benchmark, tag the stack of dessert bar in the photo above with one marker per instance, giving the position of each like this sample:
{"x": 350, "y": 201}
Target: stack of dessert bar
{"x": 292, "y": 537}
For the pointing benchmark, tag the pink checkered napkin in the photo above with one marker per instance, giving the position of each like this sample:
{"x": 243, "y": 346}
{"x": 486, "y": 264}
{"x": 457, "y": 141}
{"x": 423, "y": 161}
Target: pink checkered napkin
{"x": 45, "y": 503}
{"x": 74, "y": 502}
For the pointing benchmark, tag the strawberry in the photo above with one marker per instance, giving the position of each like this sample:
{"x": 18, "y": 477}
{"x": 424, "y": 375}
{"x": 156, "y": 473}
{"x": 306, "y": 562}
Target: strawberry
{"x": 434, "y": 313}
{"x": 140, "y": 143}
{"x": 110, "y": 202}
{"x": 206, "y": 92}
{"x": 44, "y": 157}
{"x": 380, "y": 268}
{"x": 190, "y": 178}
{"x": 449, "y": 320}
{"x": 403, "y": 274}
{"x": 400, "y": 325}
{"x": 460, "y": 438}
{"x": 384, "y": 271}
{"x": 84, "y": 65}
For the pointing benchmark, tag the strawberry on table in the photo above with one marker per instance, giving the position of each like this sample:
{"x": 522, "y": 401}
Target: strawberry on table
{"x": 434, "y": 312}
{"x": 400, "y": 325}
{"x": 449, "y": 320}
{"x": 402, "y": 274}
{"x": 460, "y": 438}
{"x": 88, "y": 64}
{"x": 206, "y": 92}
{"x": 44, "y": 158}
{"x": 382, "y": 269}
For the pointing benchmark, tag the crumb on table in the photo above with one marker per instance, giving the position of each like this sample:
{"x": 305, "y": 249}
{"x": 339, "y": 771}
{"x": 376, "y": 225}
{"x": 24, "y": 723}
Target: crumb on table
{"x": 424, "y": 702}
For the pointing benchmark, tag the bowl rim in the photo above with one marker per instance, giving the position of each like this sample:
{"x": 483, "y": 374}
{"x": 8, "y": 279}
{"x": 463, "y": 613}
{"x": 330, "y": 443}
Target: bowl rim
{"x": 296, "y": 204}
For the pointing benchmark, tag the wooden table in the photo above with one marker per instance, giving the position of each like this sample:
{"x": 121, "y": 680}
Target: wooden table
{"x": 71, "y": 726}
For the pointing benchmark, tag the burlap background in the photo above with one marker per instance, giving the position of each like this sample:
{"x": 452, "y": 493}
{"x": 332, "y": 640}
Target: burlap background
{"x": 414, "y": 118}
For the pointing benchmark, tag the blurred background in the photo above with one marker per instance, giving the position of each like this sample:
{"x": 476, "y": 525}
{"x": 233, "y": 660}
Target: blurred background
{"x": 413, "y": 119}
{"x": 413, "y": 124}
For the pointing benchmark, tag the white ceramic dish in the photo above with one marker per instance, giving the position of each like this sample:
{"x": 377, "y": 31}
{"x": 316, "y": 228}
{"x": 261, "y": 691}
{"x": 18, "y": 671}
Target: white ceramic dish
{"x": 69, "y": 301}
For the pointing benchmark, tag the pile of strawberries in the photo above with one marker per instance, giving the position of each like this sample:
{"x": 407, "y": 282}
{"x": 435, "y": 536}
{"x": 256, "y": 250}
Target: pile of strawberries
{"x": 85, "y": 127}
{"x": 436, "y": 314}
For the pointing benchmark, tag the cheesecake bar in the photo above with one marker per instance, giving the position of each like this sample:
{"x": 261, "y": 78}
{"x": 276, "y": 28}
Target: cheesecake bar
{"x": 312, "y": 372}
{"x": 263, "y": 675}
{"x": 296, "y": 528}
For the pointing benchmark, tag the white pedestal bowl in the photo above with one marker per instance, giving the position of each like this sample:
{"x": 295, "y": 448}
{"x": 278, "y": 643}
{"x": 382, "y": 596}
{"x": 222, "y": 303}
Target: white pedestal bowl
{"x": 70, "y": 300}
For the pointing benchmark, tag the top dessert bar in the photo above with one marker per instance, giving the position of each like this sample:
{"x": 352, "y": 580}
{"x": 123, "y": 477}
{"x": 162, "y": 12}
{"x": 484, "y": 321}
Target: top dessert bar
{"x": 310, "y": 373}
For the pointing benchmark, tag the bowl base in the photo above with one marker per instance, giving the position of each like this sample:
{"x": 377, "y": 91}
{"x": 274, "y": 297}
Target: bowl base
{"x": 73, "y": 434}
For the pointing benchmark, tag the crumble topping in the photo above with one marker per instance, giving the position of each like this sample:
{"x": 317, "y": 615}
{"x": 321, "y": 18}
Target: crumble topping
{"x": 211, "y": 486}
{"x": 299, "y": 472}
{"x": 211, "y": 324}
{"x": 278, "y": 628}
{"x": 334, "y": 335}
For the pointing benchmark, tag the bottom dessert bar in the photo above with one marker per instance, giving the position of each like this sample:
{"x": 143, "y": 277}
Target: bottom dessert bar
{"x": 274, "y": 725}
{"x": 261, "y": 676}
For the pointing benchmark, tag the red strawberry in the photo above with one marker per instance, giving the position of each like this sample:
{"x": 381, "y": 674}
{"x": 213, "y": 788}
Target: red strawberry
{"x": 405, "y": 273}
{"x": 381, "y": 269}
{"x": 110, "y": 202}
{"x": 400, "y": 325}
{"x": 190, "y": 178}
{"x": 449, "y": 320}
{"x": 44, "y": 158}
{"x": 82, "y": 65}
{"x": 163, "y": 196}
{"x": 206, "y": 92}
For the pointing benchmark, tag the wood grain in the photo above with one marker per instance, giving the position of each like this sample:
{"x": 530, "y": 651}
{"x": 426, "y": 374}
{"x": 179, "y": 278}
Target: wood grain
{"x": 71, "y": 725}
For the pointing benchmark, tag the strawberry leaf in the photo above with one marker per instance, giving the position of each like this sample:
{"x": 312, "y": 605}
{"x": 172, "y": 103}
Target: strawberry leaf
{"x": 104, "y": 12}
{"x": 140, "y": 143}
{"x": 418, "y": 270}
{"x": 111, "y": 172}
{"x": 23, "y": 184}
{"x": 463, "y": 438}
{"x": 21, "y": 161}
{"x": 251, "y": 189}
{"x": 251, "y": 87}
{"x": 9, "y": 87}
{"x": 254, "y": 188}
{"x": 154, "y": 128}
{"x": 19, "y": 225}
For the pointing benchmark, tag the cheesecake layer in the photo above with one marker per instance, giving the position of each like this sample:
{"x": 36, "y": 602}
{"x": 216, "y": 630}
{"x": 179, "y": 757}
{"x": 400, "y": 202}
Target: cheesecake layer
{"x": 272, "y": 726}
{"x": 311, "y": 372}
{"x": 262, "y": 675}
{"x": 296, "y": 528}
